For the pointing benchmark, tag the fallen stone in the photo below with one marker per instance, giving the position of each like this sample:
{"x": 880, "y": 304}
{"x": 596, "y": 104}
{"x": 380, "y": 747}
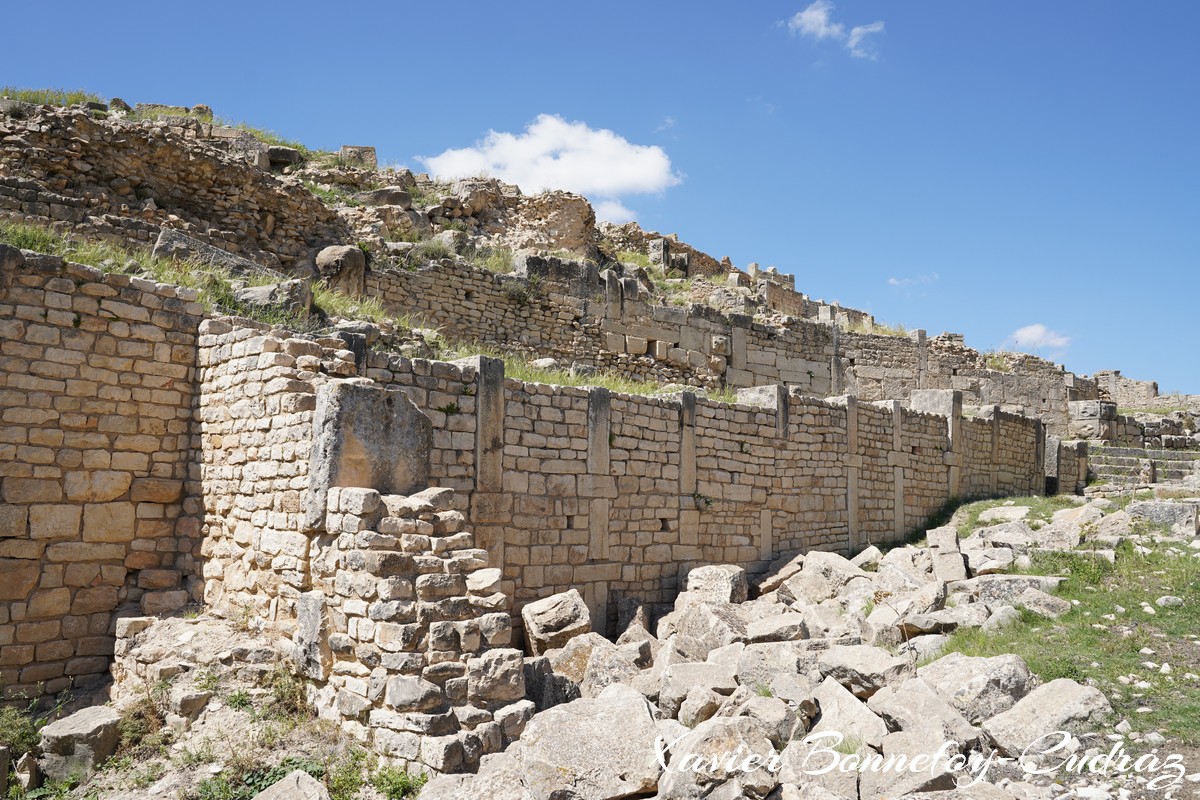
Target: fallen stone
{"x": 908, "y": 745}
{"x": 601, "y": 748}
{"x": 868, "y": 559}
{"x": 843, "y": 713}
{"x": 679, "y": 679}
{"x": 1179, "y": 517}
{"x": 1059, "y": 705}
{"x": 914, "y": 706}
{"x": 293, "y": 298}
{"x": 178, "y": 246}
{"x": 784, "y": 627}
{"x": 386, "y": 196}
{"x": 704, "y": 627}
{"x": 296, "y": 785}
{"x": 720, "y": 583}
{"x": 343, "y": 268}
{"x": 980, "y": 688}
{"x": 76, "y": 745}
{"x": 555, "y": 620}
{"x": 862, "y": 669}
{"x": 698, "y": 765}
{"x": 1039, "y": 602}
{"x": 779, "y": 571}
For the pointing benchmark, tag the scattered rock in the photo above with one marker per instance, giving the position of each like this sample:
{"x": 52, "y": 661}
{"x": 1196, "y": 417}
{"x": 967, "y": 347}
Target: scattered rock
{"x": 76, "y": 745}
{"x": 297, "y": 785}
{"x": 555, "y": 620}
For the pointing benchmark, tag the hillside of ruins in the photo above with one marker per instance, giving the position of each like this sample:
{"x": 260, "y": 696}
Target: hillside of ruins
{"x": 450, "y": 489}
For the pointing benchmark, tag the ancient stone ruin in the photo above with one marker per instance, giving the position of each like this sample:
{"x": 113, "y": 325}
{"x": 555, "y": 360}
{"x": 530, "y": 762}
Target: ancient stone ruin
{"x": 466, "y": 568}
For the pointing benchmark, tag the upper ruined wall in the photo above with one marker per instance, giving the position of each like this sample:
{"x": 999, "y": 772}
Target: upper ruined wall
{"x": 127, "y": 180}
{"x": 577, "y": 314}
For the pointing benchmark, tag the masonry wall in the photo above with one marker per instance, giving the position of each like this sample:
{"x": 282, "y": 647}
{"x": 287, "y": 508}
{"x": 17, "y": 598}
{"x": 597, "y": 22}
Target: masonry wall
{"x": 615, "y": 495}
{"x": 601, "y": 320}
{"x": 96, "y": 392}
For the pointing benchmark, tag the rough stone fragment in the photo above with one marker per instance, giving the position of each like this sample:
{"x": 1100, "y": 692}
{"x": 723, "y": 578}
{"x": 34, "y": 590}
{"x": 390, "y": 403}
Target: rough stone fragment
{"x": 719, "y": 583}
{"x": 496, "y": 677}
{"x": 296, "y": 785}
{"x": 555, "y": 620}
{"x": 978, "y": 687}
{"x": 1059, "y": 705}
{"x": 602, "y": 747}
{"x": 343, "y": 268}
{"x": 841, "y": 712}
{"x": 862, "y": 669}
{"x": 77, "y": 744}
{"x": 293, "y": 298}
{"x": 173, "y": 244}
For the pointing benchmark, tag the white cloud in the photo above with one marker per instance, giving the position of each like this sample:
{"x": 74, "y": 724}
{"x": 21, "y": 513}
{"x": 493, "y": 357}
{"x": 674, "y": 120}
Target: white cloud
{"x": 1037, "y": 336}
{"x": 665, "y": 125}
{"x": 932, "y": 277}
{"x": 613, "y": 211}
{"x": 555, "y": 154}
{"x": 859, "y": 48}
{"x": 816, "y": 22}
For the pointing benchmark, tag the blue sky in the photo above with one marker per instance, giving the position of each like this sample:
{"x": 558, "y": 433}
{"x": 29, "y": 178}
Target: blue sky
{"x": 976, "y": 167}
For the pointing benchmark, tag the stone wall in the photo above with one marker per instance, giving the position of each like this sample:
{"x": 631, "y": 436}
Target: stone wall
{"x": 599, "y": 320}
{"x": 1138, "y": 395}
{"x": 127, "y": 180}
{"x": 96, "y": 387}
{"x": 616, "y": 495}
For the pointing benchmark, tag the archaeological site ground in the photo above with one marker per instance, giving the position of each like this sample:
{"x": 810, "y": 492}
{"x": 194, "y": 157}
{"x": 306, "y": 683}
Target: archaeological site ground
{"x": 325, "y": 479}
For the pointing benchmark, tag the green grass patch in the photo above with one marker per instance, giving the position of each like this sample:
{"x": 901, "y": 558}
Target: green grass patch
{"x": 997, "y": 361}
{"x": 397, "y": 784}
{"x": 1082, "y": 645}
{"x": 332, "y": 195}
{"x": 1041, "y": 509}
{"x": 50, "y": 97}
{"x": 216, "y": 286}
{"x": 343, "y": 305}
{"x": 494, "y": 259}
{"x": 520, "y": 367}
{"x": 1125, "y": 411}
{"x": 633, "y": 257}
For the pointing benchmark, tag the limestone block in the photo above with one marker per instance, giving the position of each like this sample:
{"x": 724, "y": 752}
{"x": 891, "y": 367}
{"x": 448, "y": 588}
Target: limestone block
{"x": 74, "y": 746}
{"x": 364, "y": 436}
{"x": 553, "y": 621}
{"x": 109, "y": 522}
{"x": 296, "y": 785}
{"x": 98, "y": 486}
{"x": 721, "y": 583}
{"x": 54, "y": 522}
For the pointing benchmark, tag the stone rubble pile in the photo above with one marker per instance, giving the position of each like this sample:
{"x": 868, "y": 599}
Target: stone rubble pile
{"x": 848, "y": 648}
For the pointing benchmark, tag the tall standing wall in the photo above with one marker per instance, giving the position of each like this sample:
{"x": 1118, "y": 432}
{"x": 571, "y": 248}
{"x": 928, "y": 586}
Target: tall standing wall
{"x": 96, "y": 394}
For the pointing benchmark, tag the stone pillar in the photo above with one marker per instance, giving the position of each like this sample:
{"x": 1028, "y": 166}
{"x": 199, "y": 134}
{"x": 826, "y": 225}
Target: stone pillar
{"x": 689, "y": 515}
{"x": 948, "y": 403}
{"x": 993, "y": 482}
{"x": 1039, "y": 478}
{"x": 856, "y": 541}
{"x": 766, "y": 535}
{"x": 598, "y": 464}
{"x": 489, "y": 423}
{"x": 491, "y": 506}
{"x": 900, "y": 459}
{"x": 922, "y": 357}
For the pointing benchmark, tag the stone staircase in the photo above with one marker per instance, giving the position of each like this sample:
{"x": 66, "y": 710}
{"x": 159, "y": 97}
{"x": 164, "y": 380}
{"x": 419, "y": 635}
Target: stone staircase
{"x": 1123, "y": 465}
